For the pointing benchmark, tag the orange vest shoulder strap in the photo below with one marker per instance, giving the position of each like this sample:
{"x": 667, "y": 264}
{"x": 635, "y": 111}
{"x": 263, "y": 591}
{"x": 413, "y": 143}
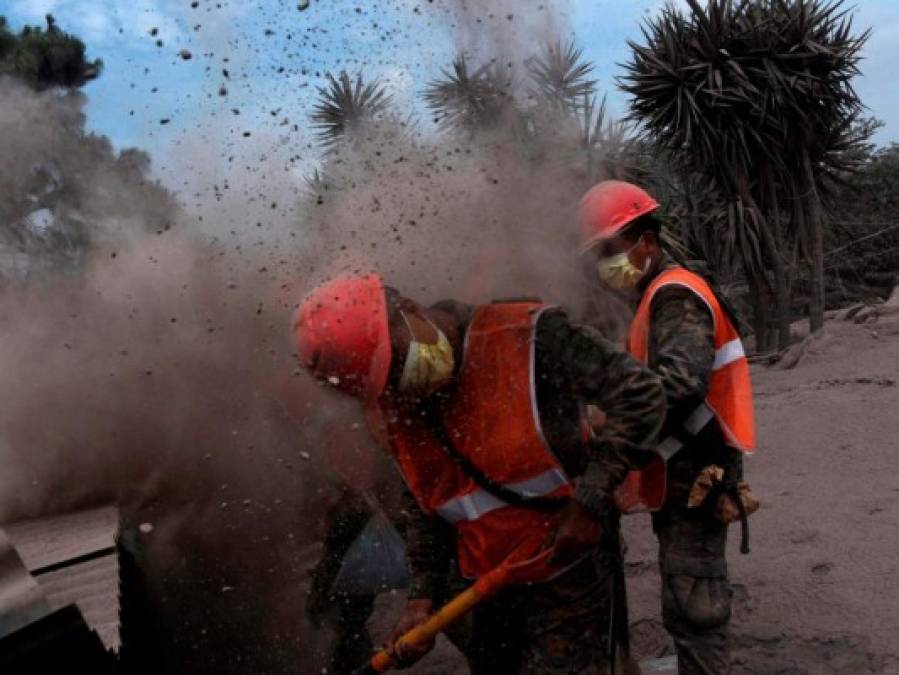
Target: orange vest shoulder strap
{"x": 638, "y": 336}
{"x": 502, "y": 315}
{"x": 681, "y": 276}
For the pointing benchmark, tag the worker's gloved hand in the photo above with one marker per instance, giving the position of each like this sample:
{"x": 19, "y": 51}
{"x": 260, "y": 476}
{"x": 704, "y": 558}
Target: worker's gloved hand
{"x": 416, "y": 613}
{"x": 576, "y": 532}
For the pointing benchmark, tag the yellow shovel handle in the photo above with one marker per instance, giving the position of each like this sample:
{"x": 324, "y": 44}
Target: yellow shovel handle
{"x": 425, "y": 632}
{"x": 446, "y": 615}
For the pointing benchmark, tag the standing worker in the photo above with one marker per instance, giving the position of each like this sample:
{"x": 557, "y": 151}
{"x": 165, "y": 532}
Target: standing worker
{"x": 685, "y": 334}
{"x": 485, "y": 411}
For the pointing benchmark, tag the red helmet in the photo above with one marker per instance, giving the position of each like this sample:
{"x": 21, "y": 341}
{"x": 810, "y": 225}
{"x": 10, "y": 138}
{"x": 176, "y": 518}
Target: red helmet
{"x": 342, "y": 334}
{"x": 608, "y": 207}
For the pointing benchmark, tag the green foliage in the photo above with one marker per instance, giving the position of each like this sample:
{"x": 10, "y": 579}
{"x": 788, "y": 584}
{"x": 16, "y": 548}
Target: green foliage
{"x": 64, "y": 191}
{"x": 862, "y": 239}
{"x": 46, "y": 57}
{"x": 7, "y": 40}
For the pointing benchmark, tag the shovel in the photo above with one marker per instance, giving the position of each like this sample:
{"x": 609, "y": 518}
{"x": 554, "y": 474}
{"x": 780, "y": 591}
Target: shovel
{"x": 508, "y": 572}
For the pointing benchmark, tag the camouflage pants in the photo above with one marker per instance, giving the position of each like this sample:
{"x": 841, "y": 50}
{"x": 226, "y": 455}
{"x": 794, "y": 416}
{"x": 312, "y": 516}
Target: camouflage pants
{"x": 347, "y": 614}
{"x": 558, "y": 627}
{"x": 696, "y": 595}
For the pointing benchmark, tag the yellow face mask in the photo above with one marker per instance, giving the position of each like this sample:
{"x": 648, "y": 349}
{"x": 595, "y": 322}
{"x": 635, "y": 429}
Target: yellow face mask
{"x": 428, "y": 366}
{"x": 619, "y": 273}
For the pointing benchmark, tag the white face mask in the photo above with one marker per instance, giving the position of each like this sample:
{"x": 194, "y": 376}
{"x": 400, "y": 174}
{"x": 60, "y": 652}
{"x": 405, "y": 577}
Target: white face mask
{"x": 428, "y": 366}
{"x": 619, "y": 273}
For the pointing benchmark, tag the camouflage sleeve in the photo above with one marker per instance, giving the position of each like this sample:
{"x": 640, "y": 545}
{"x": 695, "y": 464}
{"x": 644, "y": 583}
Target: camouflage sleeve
{"x": 429, "y": 547}
{"x": 681, "y": 349}
{"x": 629, "y": 396}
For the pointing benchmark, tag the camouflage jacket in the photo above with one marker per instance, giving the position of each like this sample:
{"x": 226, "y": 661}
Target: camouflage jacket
{"x": 681, "y": 353}
{"x": 681, "y": 346}
{"x": 574, "y": 366}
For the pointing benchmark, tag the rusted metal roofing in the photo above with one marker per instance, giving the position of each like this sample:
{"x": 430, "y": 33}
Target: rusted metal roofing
{"x": 21, "y": 599}
{"x": 72, "y": 559}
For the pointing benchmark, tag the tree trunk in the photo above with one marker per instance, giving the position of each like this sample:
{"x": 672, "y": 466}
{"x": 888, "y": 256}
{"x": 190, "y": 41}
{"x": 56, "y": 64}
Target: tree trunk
{"x": 762, "y": 289}
{"x": 761, "y": 311}
{"x": 782, "y": 301}
{"x": 777, "y": 249}
{"x": 816, "y": 302}
{"x": 810, "y": 207}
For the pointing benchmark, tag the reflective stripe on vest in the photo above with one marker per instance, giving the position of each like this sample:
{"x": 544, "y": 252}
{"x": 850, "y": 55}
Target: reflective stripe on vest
{"x": 728, "y": 353}
{"x": 493, "y": 323}
{"x": 476, "y": 504}
{"x": 492, "y": 419}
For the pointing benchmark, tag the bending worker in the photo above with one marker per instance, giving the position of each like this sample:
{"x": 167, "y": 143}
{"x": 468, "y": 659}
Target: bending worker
{"x": 685, "y": 334}
{"x": 486, "y": 412}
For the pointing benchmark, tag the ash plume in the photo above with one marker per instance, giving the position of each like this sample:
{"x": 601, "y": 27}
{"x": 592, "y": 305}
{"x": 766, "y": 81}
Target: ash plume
{"x": 505, "y": 30}
{"x": 155, "y": 366}
{"x": 147, "y": 362}
{"x": 470, "y": 220}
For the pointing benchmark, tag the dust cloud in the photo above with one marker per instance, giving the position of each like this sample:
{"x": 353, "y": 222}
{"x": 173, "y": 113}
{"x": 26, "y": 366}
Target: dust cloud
{"x": 158, "y": 370}
{"x": 154, "y": 367}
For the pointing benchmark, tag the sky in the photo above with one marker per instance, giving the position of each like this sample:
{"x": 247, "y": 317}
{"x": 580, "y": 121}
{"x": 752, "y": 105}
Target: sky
{"x": 254, "y": 65}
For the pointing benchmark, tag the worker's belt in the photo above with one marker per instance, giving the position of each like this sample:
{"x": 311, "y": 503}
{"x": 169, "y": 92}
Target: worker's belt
{"x": 695, "y": 423}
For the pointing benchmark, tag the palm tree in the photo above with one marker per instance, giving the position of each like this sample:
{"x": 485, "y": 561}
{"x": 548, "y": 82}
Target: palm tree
{"x": 560, "y": 78}
{"x": 822, "y": 57}
{"x": 344, "y": 108}
{"x": 753, "y": 95}
{"x": 468, "y": 101}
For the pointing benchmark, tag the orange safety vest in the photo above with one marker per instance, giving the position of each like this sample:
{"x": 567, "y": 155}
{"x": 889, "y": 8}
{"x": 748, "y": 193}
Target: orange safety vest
{"x": 728, "y": 400}
{"x": 493, "y": 421}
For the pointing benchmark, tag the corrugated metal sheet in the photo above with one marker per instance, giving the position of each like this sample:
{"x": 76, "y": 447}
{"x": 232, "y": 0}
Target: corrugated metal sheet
{"x": 43, "y": 542}
{"x": 21, "y": 599}
{"x": 72, "y": 558}
{"x": 93, "y": 586}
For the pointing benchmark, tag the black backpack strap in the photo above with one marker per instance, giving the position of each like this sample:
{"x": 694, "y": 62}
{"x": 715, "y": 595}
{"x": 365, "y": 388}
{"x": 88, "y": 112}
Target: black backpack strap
{"x": 483, "y": 481}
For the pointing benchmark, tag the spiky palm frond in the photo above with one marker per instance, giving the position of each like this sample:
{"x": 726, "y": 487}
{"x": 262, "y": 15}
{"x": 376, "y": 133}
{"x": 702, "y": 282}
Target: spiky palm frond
{"x": 466, "y": 100}
{"x": 608, "y": 143}
{"x": 740, "y": 89}
{"x": 559, "y": 77}
{"x": 344, "y": 106}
